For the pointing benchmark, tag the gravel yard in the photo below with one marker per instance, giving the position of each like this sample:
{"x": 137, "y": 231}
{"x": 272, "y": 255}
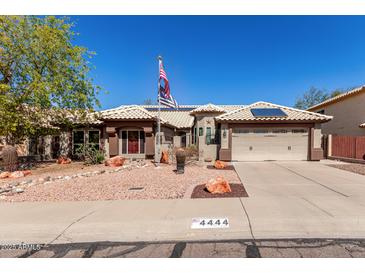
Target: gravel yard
{"x": 356, "y": 168}
{"x": 148, "y": 182}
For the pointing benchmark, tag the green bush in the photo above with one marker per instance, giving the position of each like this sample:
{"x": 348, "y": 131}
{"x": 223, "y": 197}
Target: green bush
{"x": 90, "y": 154}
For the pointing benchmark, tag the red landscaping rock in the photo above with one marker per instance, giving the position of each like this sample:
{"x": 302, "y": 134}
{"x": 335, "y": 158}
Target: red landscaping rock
{"x": 218, "y": 185}
{"x": 27, "y": 172}
{"x": 115, "y": 161}
{"x": 63, "y": 160}
{"x": 164, "y": 157}
{"x": 16, "y": 174}
{"x": 4, "y": 174}
{"x": 220, "y": 165}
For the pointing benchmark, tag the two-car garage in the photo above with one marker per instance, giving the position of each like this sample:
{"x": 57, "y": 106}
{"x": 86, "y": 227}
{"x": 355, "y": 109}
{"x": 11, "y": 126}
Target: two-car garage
{"x": 274, "y": 143}
{"x": 267, "y": 132}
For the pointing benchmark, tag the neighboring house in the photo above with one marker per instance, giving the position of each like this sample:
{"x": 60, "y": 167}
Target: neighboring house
{"x": 348, "y": 111}
{"x": 257, "y": 132}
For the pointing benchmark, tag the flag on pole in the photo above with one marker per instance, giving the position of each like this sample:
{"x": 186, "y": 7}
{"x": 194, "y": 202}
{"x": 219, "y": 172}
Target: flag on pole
{"x": 165, "y": 97}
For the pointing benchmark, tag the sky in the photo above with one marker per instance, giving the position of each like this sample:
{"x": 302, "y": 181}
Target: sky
{"x": 223, "y": 59}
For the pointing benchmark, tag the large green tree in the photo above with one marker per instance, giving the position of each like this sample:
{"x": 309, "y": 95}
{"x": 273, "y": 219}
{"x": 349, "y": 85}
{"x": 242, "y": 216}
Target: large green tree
{"x": 41, "y": 71}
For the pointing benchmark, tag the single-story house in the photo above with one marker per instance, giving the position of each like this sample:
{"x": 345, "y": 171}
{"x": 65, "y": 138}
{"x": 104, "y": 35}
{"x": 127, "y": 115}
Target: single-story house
{"x": 348, "y": 110}
{"x": 257, "y": 132}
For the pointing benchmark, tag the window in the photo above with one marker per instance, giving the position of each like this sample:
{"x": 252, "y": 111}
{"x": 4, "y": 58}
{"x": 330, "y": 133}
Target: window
{"x": 260, "y": 131}
{"x": 78, "y": 139}
{"x": 201, "y": 132}
{"x": 183, "y": 140}
{"x": 299, "y": 131}
{"x": 321, "y": 111}
{"x": 208, "y": 136}
{"x": 241, "y": 130}
{"x": 141, "y": 141}
{"x": 124, "y": 142}
{"x": 279, "y": 131}
{"x": 194, "y": 137}
{"x": 94, "y": 138}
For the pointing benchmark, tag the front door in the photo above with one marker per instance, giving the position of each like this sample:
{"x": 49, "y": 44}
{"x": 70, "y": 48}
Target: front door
{"x": 133, "y": 137}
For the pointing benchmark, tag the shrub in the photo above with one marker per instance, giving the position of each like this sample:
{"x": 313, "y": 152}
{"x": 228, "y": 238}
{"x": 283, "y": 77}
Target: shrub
{"x": 191, "y": 151}
{"x": 90, "y": 154}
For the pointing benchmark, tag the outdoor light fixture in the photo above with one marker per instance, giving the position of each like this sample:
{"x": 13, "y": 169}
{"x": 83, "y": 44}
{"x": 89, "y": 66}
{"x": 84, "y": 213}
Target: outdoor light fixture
{"x": 224, "y": 133}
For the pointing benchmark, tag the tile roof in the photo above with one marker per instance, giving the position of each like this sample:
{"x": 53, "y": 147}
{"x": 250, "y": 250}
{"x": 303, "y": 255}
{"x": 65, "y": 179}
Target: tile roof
{"x": 338, "y": 98}
{"x": 178, "y": 119}
{"x": 207, "y": 108}
{"x": 132, "y": 112}
{"x": 244, "y": 114}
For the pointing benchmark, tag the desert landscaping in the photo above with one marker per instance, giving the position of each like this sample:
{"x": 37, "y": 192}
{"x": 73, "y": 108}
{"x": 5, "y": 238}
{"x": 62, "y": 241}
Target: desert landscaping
{"x": 133, "y": 180}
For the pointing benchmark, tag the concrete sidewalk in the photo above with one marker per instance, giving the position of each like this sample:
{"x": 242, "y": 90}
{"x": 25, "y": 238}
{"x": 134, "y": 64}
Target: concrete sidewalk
{"x": 125, "y": 221}
{"x": 170, "y": 220}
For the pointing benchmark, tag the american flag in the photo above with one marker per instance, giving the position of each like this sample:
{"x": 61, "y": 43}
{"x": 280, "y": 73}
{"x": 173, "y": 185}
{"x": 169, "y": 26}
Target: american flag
{"x": 165, "y": 96}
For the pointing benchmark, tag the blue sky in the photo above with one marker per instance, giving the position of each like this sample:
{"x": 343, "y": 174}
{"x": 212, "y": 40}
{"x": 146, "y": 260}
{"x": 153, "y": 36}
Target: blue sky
{"x": 223, "y": 59}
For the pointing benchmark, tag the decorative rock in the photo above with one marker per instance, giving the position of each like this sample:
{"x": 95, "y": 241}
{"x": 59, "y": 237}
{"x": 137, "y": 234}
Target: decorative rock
{"x": 67, "y": 178}
{"x": 47, "y": 179}
{"x": 16, "y": 174}
{"x": 115, "y": 161}
{"x": 164, "y": 157}
{"x": 63, "y": 160}
{"x": 19, "y": 190}
{"x": 5, "y": 190}
{"x": 4, "y": 174}
{"x": 218, "y": 186}
{"x": 27, "y": 172}
{"x": 220, "y": 165}
{"x": 14, "y": 184}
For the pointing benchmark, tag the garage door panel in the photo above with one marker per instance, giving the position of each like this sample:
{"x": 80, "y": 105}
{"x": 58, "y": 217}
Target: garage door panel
{"x": 272, "y": 145}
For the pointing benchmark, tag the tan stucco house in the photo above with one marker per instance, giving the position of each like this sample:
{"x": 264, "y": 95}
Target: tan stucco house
{"x": 257, "y": 132}
{"x": 348, "y": 111}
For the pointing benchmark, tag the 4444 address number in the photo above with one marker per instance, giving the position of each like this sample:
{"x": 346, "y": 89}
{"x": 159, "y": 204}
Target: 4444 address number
{"x": 204, "y": 223}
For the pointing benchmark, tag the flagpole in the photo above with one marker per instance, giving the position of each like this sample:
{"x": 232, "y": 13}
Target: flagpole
{"x": 159, "y": 118}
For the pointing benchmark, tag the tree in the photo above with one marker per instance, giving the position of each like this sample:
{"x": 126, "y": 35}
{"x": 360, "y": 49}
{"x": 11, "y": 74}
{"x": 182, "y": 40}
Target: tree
{"x": 41, "y": 71}
{"x": 315, "y": 96}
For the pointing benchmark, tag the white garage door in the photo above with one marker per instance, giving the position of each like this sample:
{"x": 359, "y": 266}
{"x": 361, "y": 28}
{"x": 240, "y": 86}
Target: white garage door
{"x": 260, "y": 144}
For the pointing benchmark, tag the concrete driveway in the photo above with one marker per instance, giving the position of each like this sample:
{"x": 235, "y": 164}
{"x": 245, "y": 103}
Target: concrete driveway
{"x": 303, "y": 199}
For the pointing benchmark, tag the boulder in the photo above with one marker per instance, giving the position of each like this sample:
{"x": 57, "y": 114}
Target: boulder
{"x": 4, "y": 174}
{"x": 218, "y": 186}
{"x": 220, "y": 165}
{"x": 164, "y": 157}
{"x": 63, "y": 160}
{"x": 115, "y": 161}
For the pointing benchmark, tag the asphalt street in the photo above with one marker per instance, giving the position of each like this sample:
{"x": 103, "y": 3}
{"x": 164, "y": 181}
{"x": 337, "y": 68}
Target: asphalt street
{"x": 291, "y": 248}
